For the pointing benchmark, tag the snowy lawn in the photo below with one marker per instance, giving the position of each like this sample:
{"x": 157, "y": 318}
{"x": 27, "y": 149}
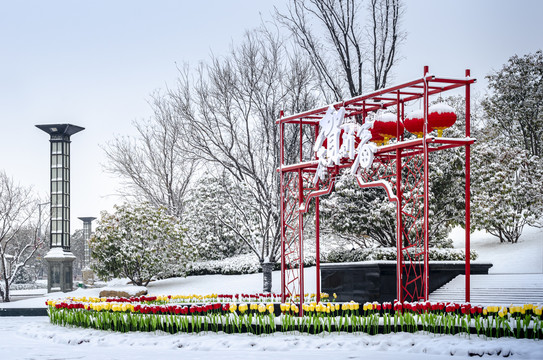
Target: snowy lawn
{"x": 526, "y": 256}
{"x": 35, "y": 338}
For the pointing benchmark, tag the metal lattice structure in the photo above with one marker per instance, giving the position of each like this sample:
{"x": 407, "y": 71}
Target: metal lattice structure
{"x": 401, "y": 169}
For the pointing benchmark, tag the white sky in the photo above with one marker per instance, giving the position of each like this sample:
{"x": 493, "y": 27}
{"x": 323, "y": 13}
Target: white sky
{"x": 94, "y": 64}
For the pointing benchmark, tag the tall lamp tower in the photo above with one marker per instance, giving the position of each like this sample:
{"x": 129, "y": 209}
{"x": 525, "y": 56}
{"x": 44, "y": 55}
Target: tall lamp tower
{"x": 88, "y": 276}
{"x": 59, "y": 258}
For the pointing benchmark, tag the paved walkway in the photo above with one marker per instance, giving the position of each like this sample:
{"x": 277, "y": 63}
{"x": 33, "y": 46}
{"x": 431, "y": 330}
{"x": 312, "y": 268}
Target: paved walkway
{"x": 498, "y": 289}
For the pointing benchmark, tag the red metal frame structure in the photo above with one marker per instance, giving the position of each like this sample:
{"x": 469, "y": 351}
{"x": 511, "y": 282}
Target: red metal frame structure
{"x": 401, "y": 169}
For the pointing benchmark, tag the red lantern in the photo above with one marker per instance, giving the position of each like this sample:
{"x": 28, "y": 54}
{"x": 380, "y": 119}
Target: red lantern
{"x": 385, "y": 125}
{"x": 440, "y": 117}
{"x": 414, "y": 123}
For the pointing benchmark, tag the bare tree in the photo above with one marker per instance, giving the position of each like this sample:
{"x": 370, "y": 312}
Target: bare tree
{"x": 339, "y": 58}
{"x": 18, "y": 235}
{"x": 385, "y": 36}
{"x": 229, "y": 115}
{"x": 154, "y": 166}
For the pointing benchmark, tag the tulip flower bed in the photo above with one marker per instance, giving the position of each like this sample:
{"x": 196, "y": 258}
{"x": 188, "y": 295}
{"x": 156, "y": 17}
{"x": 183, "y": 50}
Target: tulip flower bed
{"x": 165, "y": 313}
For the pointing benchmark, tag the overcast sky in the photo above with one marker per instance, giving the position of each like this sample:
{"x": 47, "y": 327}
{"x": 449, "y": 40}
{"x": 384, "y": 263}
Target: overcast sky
{"x": 94, "y": 64}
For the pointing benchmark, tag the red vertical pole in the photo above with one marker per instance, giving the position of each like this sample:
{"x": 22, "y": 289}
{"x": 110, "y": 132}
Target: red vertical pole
{"x": 317, "y": 250}
{"x": 301, "y": 222}
{"x": 301, "y": 238}
{"x": 426, "y": 190}
{"x": 317, "y": 237}
{"x": 399, "y": 257}
{"x": 467, "y": 191}
{"x": 282, "y": 174}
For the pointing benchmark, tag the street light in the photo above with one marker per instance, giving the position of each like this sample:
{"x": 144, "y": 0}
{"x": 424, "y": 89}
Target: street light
{"x": 88, "y": 275}
{"x": 59, "y": 257}
{"x": 87, "y": 231}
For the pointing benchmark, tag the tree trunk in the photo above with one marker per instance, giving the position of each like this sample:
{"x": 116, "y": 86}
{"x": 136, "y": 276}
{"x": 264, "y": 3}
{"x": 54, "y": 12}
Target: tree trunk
{"x": 5, "y": 293}
{"x": 267, "y": 269}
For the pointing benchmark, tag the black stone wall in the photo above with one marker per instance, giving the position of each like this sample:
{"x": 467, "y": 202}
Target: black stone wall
{"x": 369, "y": 281}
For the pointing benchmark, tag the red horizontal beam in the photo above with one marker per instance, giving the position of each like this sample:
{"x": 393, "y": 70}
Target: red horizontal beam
{"x": 382, "y": 94}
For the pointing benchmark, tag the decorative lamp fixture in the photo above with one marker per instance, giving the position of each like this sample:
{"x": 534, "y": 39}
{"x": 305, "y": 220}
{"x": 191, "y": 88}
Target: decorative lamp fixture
{"x": 385, "y": 125}
{"x": 440, "y": 117}
{"x": 414, "y": 123}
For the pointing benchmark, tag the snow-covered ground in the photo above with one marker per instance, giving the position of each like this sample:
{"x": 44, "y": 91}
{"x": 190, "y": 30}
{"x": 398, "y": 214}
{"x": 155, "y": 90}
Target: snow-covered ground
{"x": 35, "y": 338}
{"x": 526, "y": 256}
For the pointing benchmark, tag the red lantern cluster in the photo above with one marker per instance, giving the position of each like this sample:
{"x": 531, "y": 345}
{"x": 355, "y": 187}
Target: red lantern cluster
{"x": 440, "y": 117}
{"x": 385, "y": 127}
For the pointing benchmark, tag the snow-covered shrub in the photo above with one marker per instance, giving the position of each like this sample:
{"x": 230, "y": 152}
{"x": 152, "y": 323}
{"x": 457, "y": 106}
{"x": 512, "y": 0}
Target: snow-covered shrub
{"x": 236, "y": 265}
{"x": 366, "y": 254}
{"x": 139, "y": 242}
{"x": 207, "y": 216}
{"x": 29, "y": 286}
{"x": 507, "y": 190}
{"x": 241, "y": 264}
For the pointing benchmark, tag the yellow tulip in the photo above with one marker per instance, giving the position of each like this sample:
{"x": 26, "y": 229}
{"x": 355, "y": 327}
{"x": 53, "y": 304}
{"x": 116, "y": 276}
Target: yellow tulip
{"x": 337, "y": 307}
{"x": 233, "y": 307}
{"x": 242, "y": 308}
{"x": 261, "y": 308}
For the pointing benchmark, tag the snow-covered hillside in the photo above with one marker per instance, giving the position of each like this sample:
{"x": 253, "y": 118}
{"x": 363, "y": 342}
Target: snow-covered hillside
{"x": 526, "y": 256}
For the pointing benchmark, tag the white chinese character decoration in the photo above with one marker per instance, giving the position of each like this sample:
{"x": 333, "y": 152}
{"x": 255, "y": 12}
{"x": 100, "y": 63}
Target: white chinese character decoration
{"x": 364, "y": 150}
{"x": 330, "y": 130}
{"x": 331, "y": 126}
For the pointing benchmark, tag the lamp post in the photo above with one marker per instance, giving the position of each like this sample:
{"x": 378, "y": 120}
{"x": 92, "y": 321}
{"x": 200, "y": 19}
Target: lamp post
{"x": 59, "y": 257}
{"x": 87, "y": 231}
{"x": 88, "y": 275}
